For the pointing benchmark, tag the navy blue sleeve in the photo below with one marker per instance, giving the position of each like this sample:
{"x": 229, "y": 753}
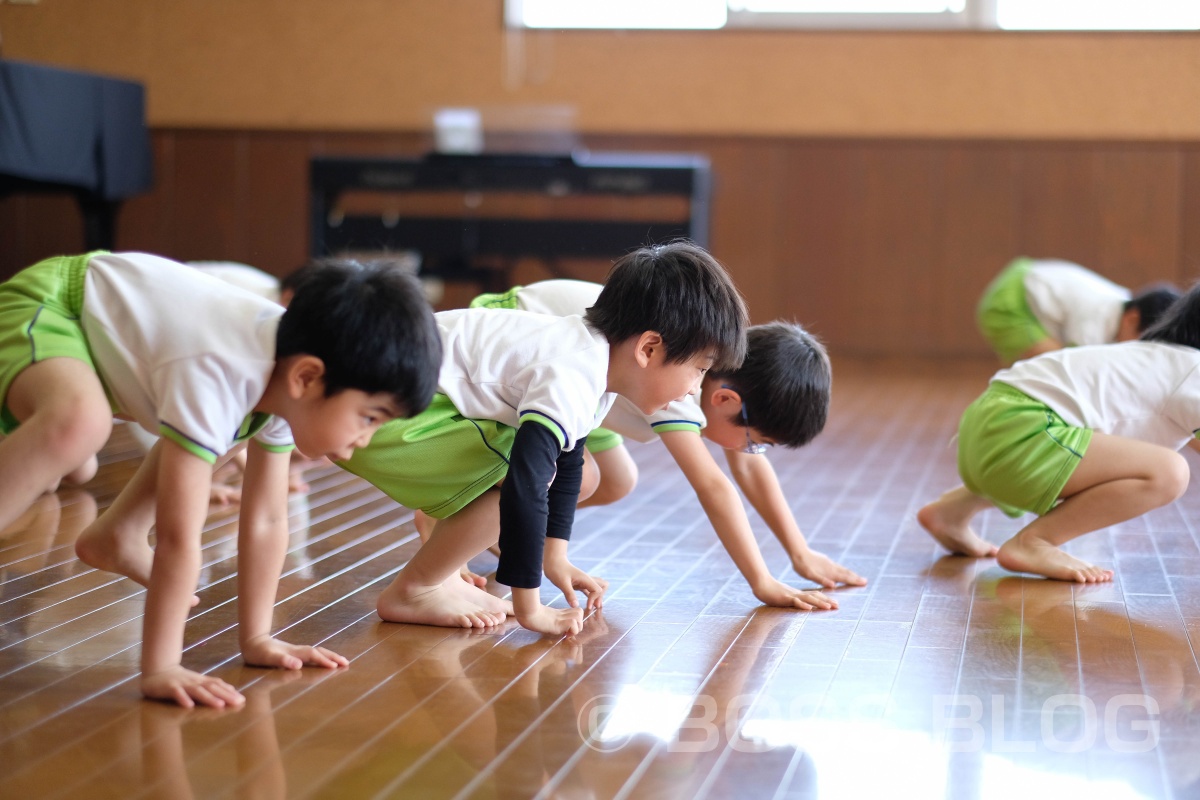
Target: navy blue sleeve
{"x": 537, "y": 500}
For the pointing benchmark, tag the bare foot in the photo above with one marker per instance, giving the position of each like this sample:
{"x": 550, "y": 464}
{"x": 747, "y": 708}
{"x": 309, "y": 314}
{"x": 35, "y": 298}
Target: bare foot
{"x": 443, "y": 605}
{"x": 296, "y": 482}
{"x": 1025, "y": 553}
{"x": 489, "y": 602}
{"x": 472, "y": 578}
{"x": 947, "y": 521}
{"x": 424, "y": 525}
{"x": 221, "y": 495}
{"x": 104, "y": 548}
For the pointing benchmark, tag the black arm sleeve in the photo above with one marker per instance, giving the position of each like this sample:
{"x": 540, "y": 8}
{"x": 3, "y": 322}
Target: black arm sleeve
{"x": 564, "y": 492}
{"x": 537, "y": 499}
{"x": 524, "y": 506}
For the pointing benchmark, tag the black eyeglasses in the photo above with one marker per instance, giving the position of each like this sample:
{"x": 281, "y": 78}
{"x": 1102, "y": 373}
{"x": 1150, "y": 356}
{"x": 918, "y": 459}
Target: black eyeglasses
{"x": 752, "y": 447}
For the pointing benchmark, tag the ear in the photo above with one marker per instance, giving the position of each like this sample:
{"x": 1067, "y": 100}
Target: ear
{"x": 646, "y": 346}
{"x": 306, "y": 377}
{"x": 1131, "y": 322}
{"x": 726, "y": 399}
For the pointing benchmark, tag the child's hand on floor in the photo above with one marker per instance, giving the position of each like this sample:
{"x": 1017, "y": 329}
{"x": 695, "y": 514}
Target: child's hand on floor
{"x": 555, "y": 621}
{"x": 781, "y": 595}
{"x": 529, "y": 611}
{"x": 267, "y": 651}
{"x": 820, "y": 568}
{"x": 569, "y": 578}
{"x": 188, "y": 688}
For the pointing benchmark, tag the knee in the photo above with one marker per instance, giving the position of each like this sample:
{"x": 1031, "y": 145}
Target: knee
{"x": 614, "y": 485}
{"x": 620, "y": 483}
{"x": 589, "y": 484}
{"x": 1170, "y": 480}
{"x": 71, "y": 438}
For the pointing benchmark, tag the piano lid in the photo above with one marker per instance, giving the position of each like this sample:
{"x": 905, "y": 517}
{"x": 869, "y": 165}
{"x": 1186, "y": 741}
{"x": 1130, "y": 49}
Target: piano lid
{"x": 66, "y": 129}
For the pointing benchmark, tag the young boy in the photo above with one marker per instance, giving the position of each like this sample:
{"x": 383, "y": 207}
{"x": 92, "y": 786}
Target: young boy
{"x": 519, "y": 394}
{"x": 779, "y": 395}
{"x": 1035, "y": 306}
{"x": 206, "y": 365}
{"x": 278, "y": 291}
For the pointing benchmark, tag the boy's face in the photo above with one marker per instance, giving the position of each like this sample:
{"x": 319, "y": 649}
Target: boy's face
{"x": 722, "y": 409}
{"x": 724, "y": 432}
{"x": 663, "y": 381}
{"x": 334, "y": 426}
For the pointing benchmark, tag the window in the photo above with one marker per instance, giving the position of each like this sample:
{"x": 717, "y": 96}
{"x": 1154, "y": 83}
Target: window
{"x": 879, "y": 14}
{"x": 1093, "y": 15}
{"x": 615, "y": 13}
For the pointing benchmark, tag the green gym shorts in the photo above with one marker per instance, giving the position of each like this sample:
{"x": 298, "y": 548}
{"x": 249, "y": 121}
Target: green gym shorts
{"x": 40, "y": 310}
{"x": 1016, "y": 451}
{"x": 1004, "y": 316}
{"x": 438, "y": 461}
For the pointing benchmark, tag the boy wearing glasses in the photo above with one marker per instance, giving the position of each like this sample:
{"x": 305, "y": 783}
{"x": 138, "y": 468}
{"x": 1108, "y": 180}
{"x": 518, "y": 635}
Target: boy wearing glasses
{"x": 779, "y": 396}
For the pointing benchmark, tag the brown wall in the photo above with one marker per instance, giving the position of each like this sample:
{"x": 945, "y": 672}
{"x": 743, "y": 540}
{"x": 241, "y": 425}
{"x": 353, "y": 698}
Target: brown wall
{"x": 867, "y": 183}
{"x": 386, "y": 64}
{"x": 882, "y": 246}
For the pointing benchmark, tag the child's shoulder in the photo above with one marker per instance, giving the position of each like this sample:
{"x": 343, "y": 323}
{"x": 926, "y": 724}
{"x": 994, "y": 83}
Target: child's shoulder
{"x": 513, "y": 325}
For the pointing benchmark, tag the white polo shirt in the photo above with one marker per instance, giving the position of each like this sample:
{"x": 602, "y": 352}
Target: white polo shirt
{"x": 1148, "y": 391}
{"x": 184, "y": 354}
{"x": 516, "y": 366}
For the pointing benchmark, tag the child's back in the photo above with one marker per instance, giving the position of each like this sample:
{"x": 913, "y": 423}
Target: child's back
{"x": 1075, "y": 305}
{"x": 1141, "y": 390}
{"x": 182, "y": 353}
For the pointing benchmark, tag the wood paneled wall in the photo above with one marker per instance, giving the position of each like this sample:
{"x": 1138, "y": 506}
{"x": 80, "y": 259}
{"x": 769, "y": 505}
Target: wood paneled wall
{"x": 383, "y": 65}
{"x": 881, "y": 246}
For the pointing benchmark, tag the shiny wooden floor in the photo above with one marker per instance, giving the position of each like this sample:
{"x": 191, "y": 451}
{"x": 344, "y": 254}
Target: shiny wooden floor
{"x": 944, "y": 677}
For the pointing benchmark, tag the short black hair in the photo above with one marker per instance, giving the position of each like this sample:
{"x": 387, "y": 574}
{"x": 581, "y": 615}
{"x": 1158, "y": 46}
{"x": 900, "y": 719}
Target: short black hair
{"x": 1179, "y": 324}
{"x": 292, "y": 281}
{"x": 1151, "y": 302}
{"x": 785, "y": 382}
{"x": 371, "y": 326}
{"x": 679, "y": 291}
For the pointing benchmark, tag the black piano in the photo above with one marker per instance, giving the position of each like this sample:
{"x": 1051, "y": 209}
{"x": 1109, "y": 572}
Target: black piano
{"x": 67, "y": 131}
{"x": 452, "y": 247}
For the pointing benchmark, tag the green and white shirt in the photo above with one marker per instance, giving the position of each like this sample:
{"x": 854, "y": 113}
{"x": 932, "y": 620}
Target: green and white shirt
{"x": 1075, "y": 305}
{"x": 562, "y": 298}
{"x": 1149, "y": 391}
{"x": 515, "y": 367}
{"x": 183, "y": 353}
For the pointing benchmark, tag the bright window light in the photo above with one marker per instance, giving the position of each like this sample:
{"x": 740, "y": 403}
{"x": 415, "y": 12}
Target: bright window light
{"x": 1095, "y": 15}
{"x": 616, "y": 13}
{"x": 1051, "y": 15}
{"x": 848, "y": 6}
